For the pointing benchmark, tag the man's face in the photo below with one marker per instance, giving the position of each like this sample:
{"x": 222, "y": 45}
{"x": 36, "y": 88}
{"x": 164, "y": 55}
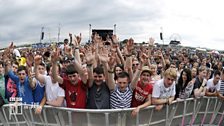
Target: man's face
{"x": 168, "y": 81}
{"x": 22, "y": 75}
{"x": 216, "y": 79}
{"x": 14, "y": 68}
{"x": 122, "y": 83}
{"x": 145, "y": 78}
{"x": 73, "y": 78}
{"x": 98, "y": 78}
{"x": 194, "y": 72}
{"x": 1, "y": 69}
{"x": 203, "y": 74}
{"x": 41, "y": 69}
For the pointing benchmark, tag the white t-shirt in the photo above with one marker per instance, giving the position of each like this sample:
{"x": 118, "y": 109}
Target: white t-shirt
{"x": 211, "y": 87}
{"x": 53, "y": 90}
{"x": 160, "y": 91}
{"x": 16, "y": 52}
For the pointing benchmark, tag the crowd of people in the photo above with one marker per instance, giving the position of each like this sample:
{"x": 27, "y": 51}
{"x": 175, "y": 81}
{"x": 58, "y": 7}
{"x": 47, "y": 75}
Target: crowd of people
{"x": 108, "y": 75}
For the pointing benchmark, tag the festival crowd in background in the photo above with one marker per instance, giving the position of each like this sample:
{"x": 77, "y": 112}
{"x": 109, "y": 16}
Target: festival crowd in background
{"x": 108, "y": 74}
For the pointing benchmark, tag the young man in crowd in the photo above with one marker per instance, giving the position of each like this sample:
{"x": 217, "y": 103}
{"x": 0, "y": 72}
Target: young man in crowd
{"x": 200, "y": 82}
{"x": 54, "y": 94}
{"x": 98, "y": 92}
{"x": 74, "y": 83}
{"x": 39, "y": 95}
{"x": 142, "y": 90}
{"x": 22, "y": 81}
{"x": 164, "y": 90}
{"x": 213, "y": 85}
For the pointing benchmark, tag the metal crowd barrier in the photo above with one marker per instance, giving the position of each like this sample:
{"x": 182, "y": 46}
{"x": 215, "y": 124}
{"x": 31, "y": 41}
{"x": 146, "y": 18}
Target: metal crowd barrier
{"x": 189, "y": 112}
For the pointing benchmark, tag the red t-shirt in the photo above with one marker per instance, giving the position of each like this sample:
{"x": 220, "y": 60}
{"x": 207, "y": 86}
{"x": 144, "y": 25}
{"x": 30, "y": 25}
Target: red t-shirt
{"x": 75, "y": 95}
{"x": 141, "y": 94}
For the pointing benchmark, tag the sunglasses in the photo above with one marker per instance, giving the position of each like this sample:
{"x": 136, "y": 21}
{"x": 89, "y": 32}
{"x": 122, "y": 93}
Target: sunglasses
{"x": 135, "y": 64}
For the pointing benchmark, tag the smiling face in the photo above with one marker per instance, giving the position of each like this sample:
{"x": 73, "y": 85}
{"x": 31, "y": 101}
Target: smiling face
{"x": 73, "y": 78}
{"x": 98, "y": 78}
{"x": 145, "y": 78}
{"x": 122, "y": 83}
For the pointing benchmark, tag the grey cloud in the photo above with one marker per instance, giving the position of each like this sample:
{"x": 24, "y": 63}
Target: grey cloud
{"x": 21, "y": 22}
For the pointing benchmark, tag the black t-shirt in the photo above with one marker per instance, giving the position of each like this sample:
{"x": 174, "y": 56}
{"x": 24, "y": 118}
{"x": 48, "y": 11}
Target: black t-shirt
{"x": 197, "y": 83}
{"x": 98, "y": 99}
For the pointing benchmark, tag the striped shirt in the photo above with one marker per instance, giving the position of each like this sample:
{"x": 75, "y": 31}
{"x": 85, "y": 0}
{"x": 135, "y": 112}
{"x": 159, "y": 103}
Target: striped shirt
{"x": 120, "y": 99}
{"x": 222, "y": 87}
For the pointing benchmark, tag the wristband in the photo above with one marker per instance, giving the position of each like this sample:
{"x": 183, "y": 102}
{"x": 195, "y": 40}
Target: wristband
{"x": 110, "y": 71}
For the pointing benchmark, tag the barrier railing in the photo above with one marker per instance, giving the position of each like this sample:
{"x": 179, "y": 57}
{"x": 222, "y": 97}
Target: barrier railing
{"x": 203, "y": 111}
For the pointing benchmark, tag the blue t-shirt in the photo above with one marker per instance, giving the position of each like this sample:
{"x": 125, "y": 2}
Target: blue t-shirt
{"x": 24, "y": 90}
{"x": 38, "y": 92}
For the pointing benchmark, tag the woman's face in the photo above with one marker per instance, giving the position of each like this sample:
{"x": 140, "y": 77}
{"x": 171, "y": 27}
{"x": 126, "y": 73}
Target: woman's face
{"x": 118, "y": 70}
{"x": 153, "y": 69}
{"x": 184, "y": 76}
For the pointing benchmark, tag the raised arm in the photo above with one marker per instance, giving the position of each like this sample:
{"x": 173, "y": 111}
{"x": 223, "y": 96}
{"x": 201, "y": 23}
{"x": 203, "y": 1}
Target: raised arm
{"x": 89, "y": 61}
{"x": 136, "y": 76}
{"x": 54, "y": 60}
{"x": 116, "y": 45}
{"x": 38, "y": 76}
{"x": 76, "y": 42}
{"x": 111, "y": 65}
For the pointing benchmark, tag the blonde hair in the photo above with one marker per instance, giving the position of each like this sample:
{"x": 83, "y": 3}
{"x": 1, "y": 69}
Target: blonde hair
{"x": 171, "y": 72}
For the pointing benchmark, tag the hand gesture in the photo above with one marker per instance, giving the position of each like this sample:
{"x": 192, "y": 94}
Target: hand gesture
{"x": 114, "y": 39}
{"x": 112, "y": 61}
{"x": 55, "y": 56}
{"x": 89, "y": 56}
{"x": 37, "y": 59}
{"x": 77, "y": 40}
{"x": 29, "y": 59}
{"x": 103, "y": 55}
{"x": 143, "y": 58}
{"x": 130, "y": 45}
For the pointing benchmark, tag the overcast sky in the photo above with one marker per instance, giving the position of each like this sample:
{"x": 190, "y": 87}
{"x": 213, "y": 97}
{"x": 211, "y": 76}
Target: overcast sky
{"x": 197, "y": 22}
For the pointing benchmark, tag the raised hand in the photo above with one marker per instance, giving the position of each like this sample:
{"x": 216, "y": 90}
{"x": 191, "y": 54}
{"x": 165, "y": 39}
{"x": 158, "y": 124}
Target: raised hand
{"x": 89, "y": 56}
{"x": 143, "y": 58}
{"x": 77, "y": 40}
{"x": 55, "y": 56}
{"x": 114, "y": 39}
{"x": 103, "y": 55}
{"x": 130, "y": 45}
{"x": 37, "y": 59}
{"x": 29, "y": 59}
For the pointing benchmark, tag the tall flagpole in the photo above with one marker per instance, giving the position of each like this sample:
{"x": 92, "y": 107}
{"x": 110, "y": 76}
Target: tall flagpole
{"x": 115, "y": 29}
{"x": 161, "y": 35}
{"x": 90, "y": 28}
{"x": 42, "y": 34}
{"x": 59, "y": 30}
